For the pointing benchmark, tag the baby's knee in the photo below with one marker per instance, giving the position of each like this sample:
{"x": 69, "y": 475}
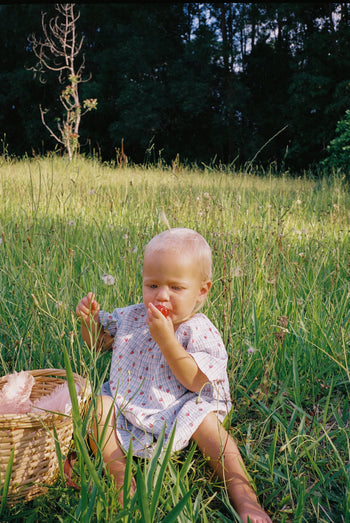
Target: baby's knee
{"x": 104, "y": 409}
{"x": 210, "y": 428}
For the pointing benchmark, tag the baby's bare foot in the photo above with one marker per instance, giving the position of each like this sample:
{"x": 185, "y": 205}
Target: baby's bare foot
{"x": 252, "y": 510}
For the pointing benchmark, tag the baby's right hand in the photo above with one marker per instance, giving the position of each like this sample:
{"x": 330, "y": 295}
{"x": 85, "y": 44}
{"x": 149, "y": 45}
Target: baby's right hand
{"x": 88, "y": 308}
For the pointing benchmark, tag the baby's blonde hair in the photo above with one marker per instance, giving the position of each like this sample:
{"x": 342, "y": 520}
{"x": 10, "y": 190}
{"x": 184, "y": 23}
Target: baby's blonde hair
{"x": 186, "y": 241}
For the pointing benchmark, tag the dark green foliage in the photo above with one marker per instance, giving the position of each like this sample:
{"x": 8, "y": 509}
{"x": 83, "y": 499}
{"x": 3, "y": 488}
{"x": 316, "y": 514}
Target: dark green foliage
{"x": 209, "y": 82}
{"x": 339, "y": 148}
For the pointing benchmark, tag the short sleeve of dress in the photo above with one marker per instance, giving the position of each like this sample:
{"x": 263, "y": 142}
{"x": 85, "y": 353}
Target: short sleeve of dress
{"x": 110, "y": 321}
{"x": 202, "y": 340}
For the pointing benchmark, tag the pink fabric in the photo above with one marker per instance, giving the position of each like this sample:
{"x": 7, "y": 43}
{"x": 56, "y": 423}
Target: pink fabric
{"x": 58, "y": 401}
{"x": 15, "y": 396}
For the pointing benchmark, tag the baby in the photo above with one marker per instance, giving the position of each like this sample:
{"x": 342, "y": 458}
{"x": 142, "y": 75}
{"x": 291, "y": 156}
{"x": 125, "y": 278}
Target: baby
{"x": 168, "y": 365}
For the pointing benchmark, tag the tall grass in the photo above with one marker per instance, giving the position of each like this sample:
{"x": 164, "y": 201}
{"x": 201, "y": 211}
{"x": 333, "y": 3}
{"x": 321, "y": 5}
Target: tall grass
{"x": 280, "y": 298}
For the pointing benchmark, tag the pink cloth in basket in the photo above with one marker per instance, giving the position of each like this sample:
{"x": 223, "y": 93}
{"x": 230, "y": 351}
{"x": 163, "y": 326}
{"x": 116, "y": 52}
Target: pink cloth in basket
{"x": 15, "y": 396}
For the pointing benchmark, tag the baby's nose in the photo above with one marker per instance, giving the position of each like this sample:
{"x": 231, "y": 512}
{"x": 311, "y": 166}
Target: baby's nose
{"x": 163, "y": 293}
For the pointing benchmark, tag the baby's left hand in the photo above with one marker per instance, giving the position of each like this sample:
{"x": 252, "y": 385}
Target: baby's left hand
{"x": 161, "y": 328}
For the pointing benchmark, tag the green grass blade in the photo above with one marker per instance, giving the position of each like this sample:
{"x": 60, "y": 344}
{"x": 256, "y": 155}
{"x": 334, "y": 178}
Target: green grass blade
{"x": 163, "y": 465}
{"x": 84, "y": 453}
{"x": 153, "y": 463}
{"x": 296, "y": 382}
{"x": 173, "y": 515}
{"x": 7, "y": 480}
{"x": 272, "y": 452}
{"x": 142, "y": 497}
{"x": 71, "y": 387}
{"x": 59, "y": 454}
{"x": 127, "y": 476}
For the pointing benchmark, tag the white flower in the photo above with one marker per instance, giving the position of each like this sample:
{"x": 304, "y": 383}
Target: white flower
{"x": 108, "y": 279}
{"x": 134, "y": 250}
{"x": 298, "y": 202}
{"x": 251, "y": 350}
{"x": 238, "y": 272}
{"x": 71, "y": 222}
{"x": 125, "y": 236}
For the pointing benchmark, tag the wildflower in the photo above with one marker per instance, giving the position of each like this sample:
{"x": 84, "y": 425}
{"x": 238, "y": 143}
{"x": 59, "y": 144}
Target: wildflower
{"x": 302, "y": 254}
{"x": 238, "y": 272}
{"x": 298, "y": 202}
{"x": 299, "y": 301}
{"x": 92, "y": 191}
{"x": 108, "y": 279}
{"x": 251, "y": 350}
{"x": 206, "y": 196}
{"x": 125, "y": 236}
{"x": 1, "y": 241}
{"x": 282, "y": 321}
{"x": 134, "y": 250}
{"x": 71, "y": 222}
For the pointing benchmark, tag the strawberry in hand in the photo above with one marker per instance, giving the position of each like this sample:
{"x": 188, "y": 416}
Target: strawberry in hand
{"x": 163, "y": 310}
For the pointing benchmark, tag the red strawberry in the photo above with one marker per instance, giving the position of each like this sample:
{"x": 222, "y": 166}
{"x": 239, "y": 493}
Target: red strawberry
{"x": 163, "y": 310}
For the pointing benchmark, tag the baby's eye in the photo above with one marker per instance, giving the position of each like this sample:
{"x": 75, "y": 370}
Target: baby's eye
{"x": 153, "y": 286}
{"x": 176, "y": 288}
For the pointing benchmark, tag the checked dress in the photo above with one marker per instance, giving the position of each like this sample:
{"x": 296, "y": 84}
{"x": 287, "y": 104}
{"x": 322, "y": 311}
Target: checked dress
{"x": 147, "y": 395}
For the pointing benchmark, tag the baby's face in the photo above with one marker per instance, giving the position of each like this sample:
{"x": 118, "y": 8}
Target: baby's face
{"x": 172, "y": 280}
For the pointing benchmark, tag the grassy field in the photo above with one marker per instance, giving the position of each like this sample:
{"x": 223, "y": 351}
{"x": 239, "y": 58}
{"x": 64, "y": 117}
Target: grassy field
{"x": 280, "y": 298}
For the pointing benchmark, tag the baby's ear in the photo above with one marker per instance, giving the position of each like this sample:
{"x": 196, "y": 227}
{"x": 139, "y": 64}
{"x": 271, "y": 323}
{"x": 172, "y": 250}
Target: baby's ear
{"x": 204, "y": 290}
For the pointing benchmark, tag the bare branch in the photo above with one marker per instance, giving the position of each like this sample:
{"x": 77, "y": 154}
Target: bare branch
{"x": 58, "y": 51}
{"x": 42, "y": 114}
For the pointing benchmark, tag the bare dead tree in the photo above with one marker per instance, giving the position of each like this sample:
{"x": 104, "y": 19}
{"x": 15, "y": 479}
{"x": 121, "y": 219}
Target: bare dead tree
{"x": 59, "y": 50}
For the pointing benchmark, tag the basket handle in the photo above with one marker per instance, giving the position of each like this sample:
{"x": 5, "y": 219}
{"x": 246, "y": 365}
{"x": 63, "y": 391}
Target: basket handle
{"x": 45, "y": 372}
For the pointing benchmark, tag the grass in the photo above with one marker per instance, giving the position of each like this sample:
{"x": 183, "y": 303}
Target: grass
{"x": 280, "y": 298}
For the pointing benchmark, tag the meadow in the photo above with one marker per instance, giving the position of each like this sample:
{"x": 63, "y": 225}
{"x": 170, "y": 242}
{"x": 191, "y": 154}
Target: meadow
{"x": 280, "y": 298}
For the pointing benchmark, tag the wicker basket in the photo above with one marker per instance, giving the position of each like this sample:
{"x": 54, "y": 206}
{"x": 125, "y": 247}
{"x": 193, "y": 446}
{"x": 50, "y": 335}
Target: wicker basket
{"x": 35, "y": 464}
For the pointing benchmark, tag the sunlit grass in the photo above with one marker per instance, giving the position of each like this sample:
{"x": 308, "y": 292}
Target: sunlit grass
{"x": 280, "y": 298}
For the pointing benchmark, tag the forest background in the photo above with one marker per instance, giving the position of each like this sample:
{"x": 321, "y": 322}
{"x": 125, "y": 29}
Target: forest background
{"x": 201, "y": 82}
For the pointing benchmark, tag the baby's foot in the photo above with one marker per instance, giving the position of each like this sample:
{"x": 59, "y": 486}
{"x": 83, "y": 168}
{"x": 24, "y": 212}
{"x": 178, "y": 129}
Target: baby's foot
{"x": 252, "y": 510}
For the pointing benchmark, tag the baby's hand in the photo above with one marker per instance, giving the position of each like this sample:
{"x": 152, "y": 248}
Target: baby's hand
{"x": 88, "y": 308}
{"x": 160, "y": 326}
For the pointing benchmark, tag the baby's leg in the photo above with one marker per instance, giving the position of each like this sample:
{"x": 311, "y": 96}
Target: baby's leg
{"x": 225, "y": 459}
{"x": 112, "y": 453}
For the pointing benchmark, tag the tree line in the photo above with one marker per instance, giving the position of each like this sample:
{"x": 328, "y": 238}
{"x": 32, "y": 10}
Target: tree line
{"x": 200, "y": 82}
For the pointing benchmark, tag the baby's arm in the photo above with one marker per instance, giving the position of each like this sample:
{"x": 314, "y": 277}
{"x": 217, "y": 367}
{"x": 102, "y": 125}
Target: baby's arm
{"x": 92, "y": 331}
{"x": 183, "y": 366}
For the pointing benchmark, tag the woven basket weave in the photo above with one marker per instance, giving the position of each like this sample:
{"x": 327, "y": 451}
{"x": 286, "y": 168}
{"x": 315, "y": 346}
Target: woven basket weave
{"x": 35, "y": 464}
